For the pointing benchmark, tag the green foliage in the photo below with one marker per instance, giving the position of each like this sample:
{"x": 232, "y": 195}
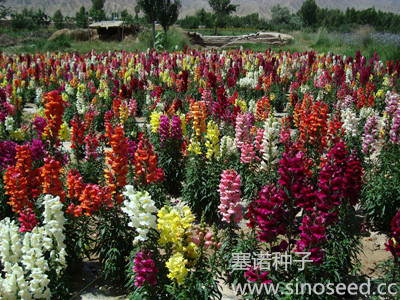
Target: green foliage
{"x": 3, "y": 10}
{"x": 200, "y": 188}
{"x": 222, "y": 9}
{"x": 382, "y": 189}
{"x": 81, "y": 18}
{"x": 58, "y": 19}
{"x": 308, "y": 12}
{"x": 98, "y": 4}
{"x": 29, "y": 19}
{"x": 168, "y": 12}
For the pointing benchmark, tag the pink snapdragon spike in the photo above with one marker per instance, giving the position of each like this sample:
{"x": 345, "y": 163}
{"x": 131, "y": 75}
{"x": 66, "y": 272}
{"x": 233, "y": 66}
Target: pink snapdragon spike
{"x": 28, "y": 220}
{"x": 145, "y": 268}
{"x": 243, "y": 126}
{"x": 395, "y": 130}
{"x": 229, "y": 189}
{"x": 248, "y": 154}
{"x": 370, "y": 136}
{"x": 176, "y": 127}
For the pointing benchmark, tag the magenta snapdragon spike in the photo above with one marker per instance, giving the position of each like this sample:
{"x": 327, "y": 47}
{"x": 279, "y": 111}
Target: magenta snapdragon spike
{"x": 268, "y": 213}
{"x": 8, "y": 151}
{"x": 38, "y": 149}
{"x": 132, "y": 147}
{"x": 340, "y": 178}
{"x": 229, "y": 189}
{"x": 38, "y": 125}
{"x": 28, "y": 220}
{"x": 176, "y": 127}
{"x": 145, "y": 268}
{"x": 312, "y": 236}
{"x": 91, "y": 146}
{"x": 164, "y": 129}
{"x": 370, "y": 136}
{"x": 393, "y": 244}
{"x": 255, "y": 275}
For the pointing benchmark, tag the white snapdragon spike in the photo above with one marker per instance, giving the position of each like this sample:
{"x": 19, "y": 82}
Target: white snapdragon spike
{"x": 10, "y": 244}
{"x": 366, "y": 112}
{"x": 270, "y": 141}
{"x": 54, "y": 230}
{"x": 35, "y": 263}
{"x": 350, "y": 123}
{"x": 9, "y": 123}
{"x": 228, "y": 145}
{"x": 140, "y": 208}
{"x": 39, "y": 93}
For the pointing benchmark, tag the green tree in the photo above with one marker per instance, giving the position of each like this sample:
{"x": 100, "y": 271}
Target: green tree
{"x": 58, "y": 19}
{"x": 222, "y": 10}
{"x": 3, "y": 10}
{"x": 168, "y": 12}
{"x": 98, "y": 4}
{"x": 137, "y": 11}
{"x": 164, "y": 11}
{"x": 308, "y": 12}
{"x": 81, "y": 18}
{"x": 96, "y": 11}
{"x": 280, "y": 15}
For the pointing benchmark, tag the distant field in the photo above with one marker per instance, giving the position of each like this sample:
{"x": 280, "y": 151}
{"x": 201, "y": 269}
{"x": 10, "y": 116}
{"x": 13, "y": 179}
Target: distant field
{"x": 386, "y": 45}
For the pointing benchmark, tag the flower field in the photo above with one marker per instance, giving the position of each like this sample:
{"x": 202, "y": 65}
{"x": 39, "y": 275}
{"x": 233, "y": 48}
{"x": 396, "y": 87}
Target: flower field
{"x": 184, "y": 171}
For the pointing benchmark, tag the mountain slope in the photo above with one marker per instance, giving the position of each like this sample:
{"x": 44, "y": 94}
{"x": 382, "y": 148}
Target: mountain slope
{"x": 189, "y": 7}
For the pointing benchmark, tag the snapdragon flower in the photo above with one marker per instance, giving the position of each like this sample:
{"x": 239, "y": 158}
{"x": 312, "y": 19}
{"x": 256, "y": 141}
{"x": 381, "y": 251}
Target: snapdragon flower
{"x": 140, "y": 208}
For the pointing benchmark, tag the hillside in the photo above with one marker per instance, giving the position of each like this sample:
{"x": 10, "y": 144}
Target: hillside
{"x": 69, "y": 8}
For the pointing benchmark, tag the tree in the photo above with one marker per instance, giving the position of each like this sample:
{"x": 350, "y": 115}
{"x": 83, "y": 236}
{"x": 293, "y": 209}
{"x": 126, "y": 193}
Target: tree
{"x": 222, "y": 9}
{"x": 164, "y": 11}
{"x": 280, "y": 15}
{"x": 3, "y": 10}
{"x": 81, "y": 18}
{"x": 98, "y": 4}
{"x": 137, "y": 11}
{"x": 168, "y": 13}
{"x": 96, "y": 11}
{"x": 308, "y": 12}
{"x": 58, "y": 19}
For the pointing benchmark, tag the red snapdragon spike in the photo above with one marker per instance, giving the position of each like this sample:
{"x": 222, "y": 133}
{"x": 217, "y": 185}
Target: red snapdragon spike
{"x": 28, "y": 220}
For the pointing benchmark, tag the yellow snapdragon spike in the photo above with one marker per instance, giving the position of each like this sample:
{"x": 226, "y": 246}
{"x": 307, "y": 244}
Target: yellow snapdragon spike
{"x": 177, "y": 267}
{"x": 212, "y": 142}
{"x": 64, "y": 133}
{"x": 155, "y": 121}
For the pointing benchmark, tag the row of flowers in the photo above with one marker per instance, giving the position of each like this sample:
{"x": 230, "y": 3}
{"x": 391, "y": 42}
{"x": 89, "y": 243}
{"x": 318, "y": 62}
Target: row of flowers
{"x": 205, "y": 128}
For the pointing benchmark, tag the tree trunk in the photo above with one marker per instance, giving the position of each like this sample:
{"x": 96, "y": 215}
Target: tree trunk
{"x": 154, "y": 34}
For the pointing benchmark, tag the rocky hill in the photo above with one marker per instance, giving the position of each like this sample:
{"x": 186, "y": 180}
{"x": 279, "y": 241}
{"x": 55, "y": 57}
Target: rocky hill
{"x": 70, "y": 7}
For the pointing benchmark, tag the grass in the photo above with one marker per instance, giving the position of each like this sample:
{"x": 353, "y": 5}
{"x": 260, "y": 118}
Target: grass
{"x": 321, "y": 41}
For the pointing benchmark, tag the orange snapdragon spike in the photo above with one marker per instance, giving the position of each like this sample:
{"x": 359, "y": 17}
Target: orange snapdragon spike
{"x": 199, "y": 112}
{"x": 118, "y": 160}
{"x": 263, "y": 108}
{"x": 146, "y": 164}
{"x": 86, "y": 198}
{"x": 50, "y": 174}
{"x": 54, "y": 111}
{"x": 21, "y": 181}
{"x": 313, "y": 127}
